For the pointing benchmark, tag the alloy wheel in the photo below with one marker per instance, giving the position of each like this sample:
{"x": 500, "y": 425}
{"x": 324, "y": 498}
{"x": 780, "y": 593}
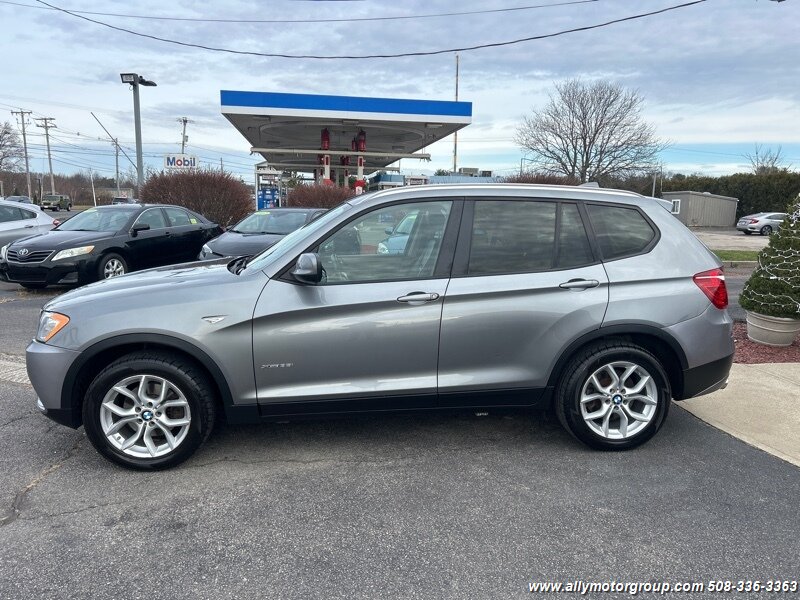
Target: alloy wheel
{"x": 145, "y": 416}
{"x": 113, "y": 268}
{"x": 619, "y": 400}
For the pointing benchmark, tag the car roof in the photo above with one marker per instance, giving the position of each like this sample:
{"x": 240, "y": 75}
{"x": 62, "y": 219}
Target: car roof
{"x": 19, "y": 204}
{"x": 510, "y": 190}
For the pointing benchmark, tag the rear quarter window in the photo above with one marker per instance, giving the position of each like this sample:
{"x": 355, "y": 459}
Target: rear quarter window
{"x": 620, "y": 231}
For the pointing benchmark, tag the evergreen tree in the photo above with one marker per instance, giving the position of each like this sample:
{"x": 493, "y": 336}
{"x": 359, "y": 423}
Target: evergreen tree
{"x": 774, "y": 287}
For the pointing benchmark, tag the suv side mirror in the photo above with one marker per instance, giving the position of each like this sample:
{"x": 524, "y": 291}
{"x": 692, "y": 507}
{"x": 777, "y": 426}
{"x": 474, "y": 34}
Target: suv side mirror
{"x": 308, "y": 268}
{"x": 139, "y": 227}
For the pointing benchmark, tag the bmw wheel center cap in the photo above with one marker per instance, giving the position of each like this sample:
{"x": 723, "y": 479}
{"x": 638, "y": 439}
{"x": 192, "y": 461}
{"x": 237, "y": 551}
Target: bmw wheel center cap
{"x": 147, "y": 415}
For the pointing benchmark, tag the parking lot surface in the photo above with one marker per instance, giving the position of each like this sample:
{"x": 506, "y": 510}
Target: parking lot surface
{"x": 430, "y": 506}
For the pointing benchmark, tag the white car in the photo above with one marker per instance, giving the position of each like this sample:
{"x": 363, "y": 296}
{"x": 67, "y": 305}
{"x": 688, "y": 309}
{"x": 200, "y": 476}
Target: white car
{"x": 19, "y": 220}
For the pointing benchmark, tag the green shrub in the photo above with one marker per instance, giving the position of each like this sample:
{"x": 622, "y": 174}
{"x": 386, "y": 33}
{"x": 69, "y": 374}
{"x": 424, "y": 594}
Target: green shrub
{"x": 774, "y": 287}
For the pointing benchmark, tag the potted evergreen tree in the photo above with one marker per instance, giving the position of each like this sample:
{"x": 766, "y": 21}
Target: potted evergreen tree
{"x": 771, "y": 296}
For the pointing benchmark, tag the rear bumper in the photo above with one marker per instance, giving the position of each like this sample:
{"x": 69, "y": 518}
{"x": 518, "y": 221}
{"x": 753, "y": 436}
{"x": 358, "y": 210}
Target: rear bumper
{"x": 706, "y": 378}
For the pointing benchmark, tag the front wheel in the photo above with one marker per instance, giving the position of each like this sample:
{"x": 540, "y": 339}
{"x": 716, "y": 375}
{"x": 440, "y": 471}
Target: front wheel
{"x": 613, "y": 396}
{"x": 149, "y": 410}
{"x": 111, "y": 265}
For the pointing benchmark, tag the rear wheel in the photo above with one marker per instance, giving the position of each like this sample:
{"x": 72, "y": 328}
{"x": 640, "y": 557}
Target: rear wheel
{"x": 69, "y": 207}
{"x": 613, "y": 396}
{"x": 766, "y": 230}
{"x": 149, "y": 410}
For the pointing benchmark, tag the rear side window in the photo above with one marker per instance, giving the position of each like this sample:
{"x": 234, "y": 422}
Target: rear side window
{"x": 178, "y": 217}
{"x": 574, "y": 249}
{"x": 9, "y": 213}
{"x": 512, "y": 237}
{"x": 620, "y": 231}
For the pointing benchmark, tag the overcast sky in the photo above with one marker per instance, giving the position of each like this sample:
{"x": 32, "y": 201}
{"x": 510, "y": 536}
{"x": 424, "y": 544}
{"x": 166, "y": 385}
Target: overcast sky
{"x": 718, "y": 77}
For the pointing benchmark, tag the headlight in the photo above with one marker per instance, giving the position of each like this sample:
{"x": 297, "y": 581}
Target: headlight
{"x": 383, "y": 248}
{"x": 3, "y": 252}
{"x": 205, "y": 252}
{"x": 73, "y": 252}
{"x": 50, "y": 323}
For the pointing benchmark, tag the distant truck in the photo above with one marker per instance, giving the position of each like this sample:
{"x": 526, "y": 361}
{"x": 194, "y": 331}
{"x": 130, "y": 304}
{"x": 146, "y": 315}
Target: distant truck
{"x": 56, "y": 202}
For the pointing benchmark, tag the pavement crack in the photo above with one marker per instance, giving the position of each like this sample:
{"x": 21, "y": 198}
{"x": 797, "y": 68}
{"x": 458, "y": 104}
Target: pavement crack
{"x": 15, "y": 419}
{"x": 15, "y": 510}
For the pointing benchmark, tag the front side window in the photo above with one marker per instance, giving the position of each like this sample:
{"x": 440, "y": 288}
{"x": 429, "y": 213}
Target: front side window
{"x": 153, "y": 217}
{"x": 620, "y": 231}
{"x": 367, "y": 250}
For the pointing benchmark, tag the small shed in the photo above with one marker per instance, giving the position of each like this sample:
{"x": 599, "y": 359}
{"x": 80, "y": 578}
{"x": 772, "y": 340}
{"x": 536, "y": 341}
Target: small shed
{"x": 702, "y": 209}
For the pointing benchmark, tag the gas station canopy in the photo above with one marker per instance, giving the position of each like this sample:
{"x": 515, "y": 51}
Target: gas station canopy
{"x": 295, "y": 131}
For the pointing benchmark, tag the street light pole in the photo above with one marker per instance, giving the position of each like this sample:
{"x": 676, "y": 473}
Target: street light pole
{"x": 135, "y": 81}
{"x": 137, "y": 120}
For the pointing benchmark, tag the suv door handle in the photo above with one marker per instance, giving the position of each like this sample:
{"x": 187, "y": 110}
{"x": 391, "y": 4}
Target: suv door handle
{"x": 418, "y": 297}
{"x": 579, "y": 284}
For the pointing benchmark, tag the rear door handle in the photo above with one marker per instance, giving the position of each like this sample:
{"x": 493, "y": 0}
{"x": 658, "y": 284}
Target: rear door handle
{"x": 579, "y": 284}
{"x": 418, "y": 297}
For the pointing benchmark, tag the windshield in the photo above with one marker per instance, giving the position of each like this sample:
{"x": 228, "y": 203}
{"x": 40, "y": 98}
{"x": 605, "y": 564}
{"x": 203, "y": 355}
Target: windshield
{"x": 272, "y": 221}
{"x": 263, "y": 259}
{"x": 92, "y": 219}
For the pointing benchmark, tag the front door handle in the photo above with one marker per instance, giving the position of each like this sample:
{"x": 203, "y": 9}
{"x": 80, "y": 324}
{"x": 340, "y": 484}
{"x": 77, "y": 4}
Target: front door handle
{"x": 418, "y": 297}
{"x": 579, "y": 284}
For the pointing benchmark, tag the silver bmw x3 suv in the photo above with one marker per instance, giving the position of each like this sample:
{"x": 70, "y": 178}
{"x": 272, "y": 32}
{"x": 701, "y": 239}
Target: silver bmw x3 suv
{"x": 597, "y": 303}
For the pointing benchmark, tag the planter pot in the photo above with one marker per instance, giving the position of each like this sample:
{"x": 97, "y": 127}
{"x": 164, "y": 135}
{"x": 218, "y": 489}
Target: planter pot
{"x": 771, "y": 331}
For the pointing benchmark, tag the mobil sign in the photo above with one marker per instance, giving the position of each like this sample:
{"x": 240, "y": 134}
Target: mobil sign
{"x": 180, "y": 161}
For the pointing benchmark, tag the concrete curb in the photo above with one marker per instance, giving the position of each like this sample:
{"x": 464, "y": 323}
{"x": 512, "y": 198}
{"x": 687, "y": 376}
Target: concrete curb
{"x": 732, "y": 264}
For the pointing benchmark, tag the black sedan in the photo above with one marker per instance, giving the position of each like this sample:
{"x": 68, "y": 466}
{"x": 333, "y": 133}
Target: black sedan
{"x": 258, "y": 231}
{"x": 107, "y": 241}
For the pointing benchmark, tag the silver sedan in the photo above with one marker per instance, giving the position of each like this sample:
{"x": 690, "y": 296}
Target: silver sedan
{"x": 763, "y": 223}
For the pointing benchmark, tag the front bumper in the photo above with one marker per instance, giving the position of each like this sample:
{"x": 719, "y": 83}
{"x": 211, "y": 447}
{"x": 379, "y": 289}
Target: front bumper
{"x": 64, "y": 272}
{"x": 47, "y": 369}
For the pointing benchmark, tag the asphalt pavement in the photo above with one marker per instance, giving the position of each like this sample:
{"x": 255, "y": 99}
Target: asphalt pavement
{"x": 390, "y": 506}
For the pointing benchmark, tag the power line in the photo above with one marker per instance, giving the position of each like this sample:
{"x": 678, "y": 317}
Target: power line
{"x": 367, "y": 56}
{"x": 318, "y": 20}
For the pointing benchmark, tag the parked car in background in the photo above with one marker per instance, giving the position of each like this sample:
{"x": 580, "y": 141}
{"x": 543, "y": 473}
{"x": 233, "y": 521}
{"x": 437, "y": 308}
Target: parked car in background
{"x": 763, "y": 223}
{"x": 18, "y": 221}
{"x": 258, "y": 231}
{"x": 503, "y": 296}
{"x": 124, "y": 200}
{"x": 107, "y": 241}
{"x": 56, "y": 202}
{"x": 20, "y": 199}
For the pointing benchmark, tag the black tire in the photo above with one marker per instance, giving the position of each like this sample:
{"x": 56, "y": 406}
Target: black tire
{"x": 576, "y": 376}
{"x": 747, "y": 232}
{"x": 104, "y": 262}
{"x": 69, "y": 207}
{"x": 180, "y": 372}
{"x": 34, "y": 286}
{"x": 766, "y": 230}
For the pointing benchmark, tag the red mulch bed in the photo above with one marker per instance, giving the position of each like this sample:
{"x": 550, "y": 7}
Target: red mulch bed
{"x": 751, "y": 353}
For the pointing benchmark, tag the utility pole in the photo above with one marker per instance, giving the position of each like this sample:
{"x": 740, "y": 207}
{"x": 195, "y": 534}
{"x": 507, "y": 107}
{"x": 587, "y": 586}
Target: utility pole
{"x": 455, "y": 134}
{"x": 22, "y": 114}
{"x": 184, "y": 121}
{"x": 221, "y": 166}
{"x": 46, "y": 123}
{"x": 114, "y": 141}
{"x": 116, "y": 163}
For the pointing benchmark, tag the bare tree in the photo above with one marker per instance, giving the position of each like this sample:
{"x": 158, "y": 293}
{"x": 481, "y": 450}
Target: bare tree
{"x": 765, "y": 162}
{"x": 11, "y": 153}
{"x": 590, "y": 131}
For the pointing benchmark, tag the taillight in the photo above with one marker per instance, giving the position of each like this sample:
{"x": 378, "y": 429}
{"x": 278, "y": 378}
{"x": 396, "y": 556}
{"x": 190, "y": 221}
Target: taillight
{"x": 753, "y": 221}
{"x": 713, "y": 285}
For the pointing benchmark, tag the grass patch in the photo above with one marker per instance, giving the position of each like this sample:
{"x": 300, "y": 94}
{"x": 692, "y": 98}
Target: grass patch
{"x": 737, "y": 255}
